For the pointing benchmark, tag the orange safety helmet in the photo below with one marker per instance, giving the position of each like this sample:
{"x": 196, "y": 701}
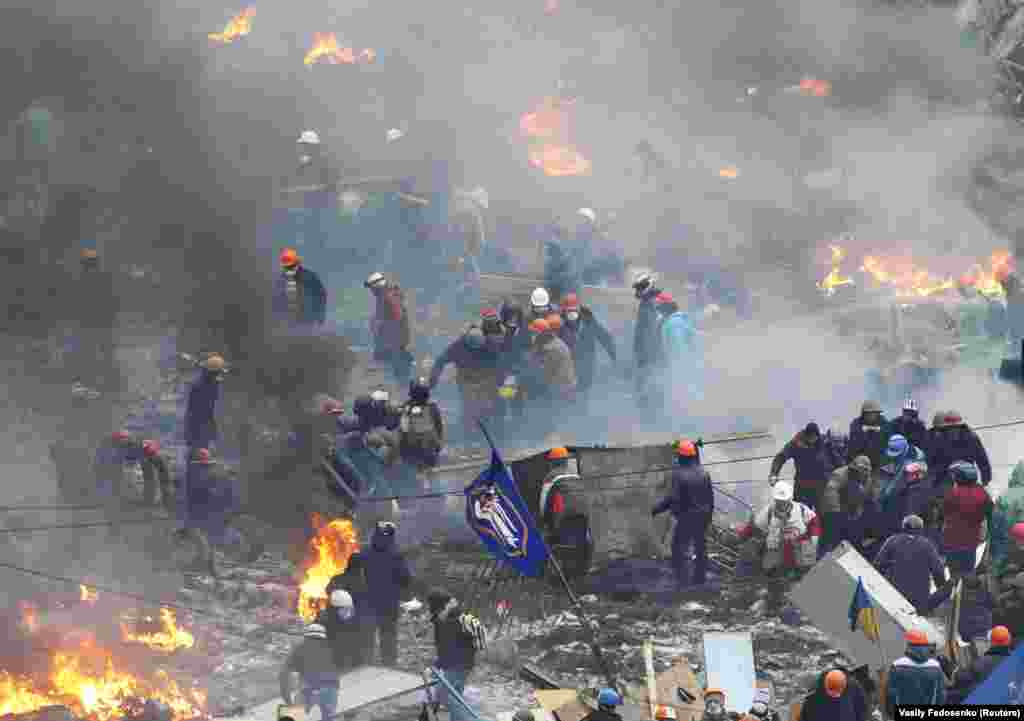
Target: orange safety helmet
{"x": 539, "y": 326}
{"x": 686, "y": 448}
{"x": 916, "y": 637}
{"x": 559, "y": 453}
{"x": 664, "y": 713}
{"x": 713, "y": 691}
{"x": 1000, "y": 636}
{"x": 203, "y": 456}
{"x": 835, "y": 683}
{"x": 150, "y": 448}
{"x": 570, "y": 302}
{"x": 554, "y": 321}
{"x": 289, "y": 257}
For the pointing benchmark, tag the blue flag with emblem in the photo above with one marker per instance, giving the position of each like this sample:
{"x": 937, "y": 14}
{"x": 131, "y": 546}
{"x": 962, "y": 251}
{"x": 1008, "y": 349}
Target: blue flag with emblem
{"x": 499, "y": 516}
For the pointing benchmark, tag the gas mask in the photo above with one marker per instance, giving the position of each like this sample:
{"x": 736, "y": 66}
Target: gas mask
{"x": 572, "y": 316}
{"x": 714, "y": 709}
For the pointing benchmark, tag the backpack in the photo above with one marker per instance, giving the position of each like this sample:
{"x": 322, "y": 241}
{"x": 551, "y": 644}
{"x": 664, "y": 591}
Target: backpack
{"x": 417, "y": 428}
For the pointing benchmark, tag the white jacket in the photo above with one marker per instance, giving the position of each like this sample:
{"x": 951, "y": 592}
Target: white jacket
{"x": 777, "y": 530}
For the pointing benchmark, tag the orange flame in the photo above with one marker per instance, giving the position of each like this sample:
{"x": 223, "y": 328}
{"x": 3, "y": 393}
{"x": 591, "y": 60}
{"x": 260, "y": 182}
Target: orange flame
{"x": 907, "y": 278}
{"x": 815, "y": 88}
{"x": 86, "y": 680}
{"x": 559, "y": 160}
{"x": 327, "y": 555}
{"x": 327, "y": 50}
{"x": 989, "y": 283}
{"x": 238, "y": 27}
{"x": 88, "y": 595}
{"x": 29, "y": 616}
{"x": 169, "y": 638}
{"x": 730, "y": 172}
{"x": 549, "y": 121}
{"x": 835, "y": 279}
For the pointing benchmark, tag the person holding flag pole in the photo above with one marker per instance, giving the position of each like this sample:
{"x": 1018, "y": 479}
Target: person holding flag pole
{"x": 498, "y": 514}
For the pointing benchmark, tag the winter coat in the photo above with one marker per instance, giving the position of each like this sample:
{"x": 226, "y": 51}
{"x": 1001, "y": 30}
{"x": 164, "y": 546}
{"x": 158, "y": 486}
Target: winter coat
{"x": 645, "y": 332}
{"x": 911, "y": 428}
{"x": 352, "y": 639}
{"x": 915, "y": 678}
{"x": 601, "y": 714}
{"x": 200, "y": 410}
{"x": 976, "y": 606}
{"x": 515, "y": 353}
{"x": 681, "y": 352}
{"x": 391, "y": 330}
{"x": 474, "y": 368}
{"x": 865, "y": 524}
{"x": 312, "y": 300}
{"x": 968, "y": 679}
{"x": 691, "y": 494}
{"x": 553, "y": 358}
{"x": 433, "y": 412}
{"x": 909, "y": 561}
{"x": 313, "y": 660}
{"x": 457, "y": 635}
{"x": 810, "y": 461}
{"x": 956, "y": 443}
{"x": 851, "y": 706}
{"x": 842, "y": 491}
{"x": 387, "y": 573}
{"x": 891, "y": 477}
{"x": 108, "y": 467}
{"x": 964, "y": 508}
{"x": 907, "y": 496}
{"x": 866, "y": 441}
{"x": 582, "y": 340}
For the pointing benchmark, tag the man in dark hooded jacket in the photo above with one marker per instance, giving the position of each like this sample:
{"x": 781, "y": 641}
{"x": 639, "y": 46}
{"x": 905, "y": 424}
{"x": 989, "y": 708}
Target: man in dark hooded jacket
{"x": 692, "y": 502}
{"x": 909, "y": 560}
{"x": 910, "y": 426}
{"x": 387, "y": 575}
{"x": 201, "y": 405}
{"x": 645, "y": 332}
{"x": 968, "y": 679}
{"x": 952, "y": 440}
{"x": 869, "y": 434}
{"x": 299, "y": 294}
{"x": 808, "y": 453}
{"x": 844, "y": 494}
{"x": 458, "y": 636}
{"x": 837, "y": 696}
{"x": 582, "y": 332}
{"x": 916, "y": 678}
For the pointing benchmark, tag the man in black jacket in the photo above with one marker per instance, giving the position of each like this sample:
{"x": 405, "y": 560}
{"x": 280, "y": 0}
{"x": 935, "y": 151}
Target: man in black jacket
{"x": 582, "y": 332}
{"x": 645, "y": 334}
{"x": 869, "y": 434}
{"x": 313, "y": 660}
{"x": 910, "y": 426}
{"x": 952, "y": 440}
{"x": 458, "y": 635}
{"x": 909, "y": 560}
{"x": 810, "y": 458}
{"x": 692, "y": 502}
{"x": 387, "y": 575}
{"x": 349, "y": 630}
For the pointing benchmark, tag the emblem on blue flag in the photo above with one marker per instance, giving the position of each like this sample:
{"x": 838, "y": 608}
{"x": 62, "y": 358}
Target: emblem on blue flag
{"x": 499, "y": 516}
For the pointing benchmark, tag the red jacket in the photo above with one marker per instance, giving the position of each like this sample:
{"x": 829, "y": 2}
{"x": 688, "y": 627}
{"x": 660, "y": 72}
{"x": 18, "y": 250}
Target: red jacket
{"x": 964, "y": 508}
{"x": 390, "y": 326}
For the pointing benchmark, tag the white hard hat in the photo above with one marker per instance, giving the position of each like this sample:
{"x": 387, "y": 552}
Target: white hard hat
{"x": 540, "y": 298}
{"x": 643, "y": 276}
{"x": 380, "y": 395}
{"x": 394, "y": 134}
{"x": 374, "y": 280}
{"x": 782, "y": 492}
{"x": 587, "y": 213}
{"x": 315, "y": 630}
{"x": 341, "y": 599}
{"x": 309, "y": 137}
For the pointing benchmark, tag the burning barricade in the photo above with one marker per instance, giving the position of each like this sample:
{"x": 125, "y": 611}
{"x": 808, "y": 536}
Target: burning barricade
{"x": 551, "y": 150}
{"x": 238, "y": 27}
{"x": 326, "y": 50}
{"x": 166, "y": 636}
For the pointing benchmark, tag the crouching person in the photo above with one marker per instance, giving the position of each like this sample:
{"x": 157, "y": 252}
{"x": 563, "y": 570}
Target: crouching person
{"x": 313, "y": 660}
{"x": 783, "y": 535}
{"x": 458, "y": 635}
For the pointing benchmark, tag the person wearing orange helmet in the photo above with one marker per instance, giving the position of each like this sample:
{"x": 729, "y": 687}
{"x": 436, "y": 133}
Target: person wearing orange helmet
{"x": 582, "y": 332}
{"x": 967, "y": 679}
{"x": 917, "y": 677}
{"x": 202, "y": 397}
{"x": 692, "y": 503}
{"x": 837, "y": 696}
{"x": 299, "y": 296}
{"x": 551, "y": 357}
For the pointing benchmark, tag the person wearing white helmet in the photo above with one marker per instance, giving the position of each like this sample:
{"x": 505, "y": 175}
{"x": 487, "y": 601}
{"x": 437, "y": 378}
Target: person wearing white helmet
{"x": 313, "y": 660}
{"x": 783, "y": 532}
{"x": 313, "y": 173}
{"x": 540, "y": 305}
{"x": 392, "y": 333}
{"x": 645, "y": 334}
{"x": 349, "y": 626}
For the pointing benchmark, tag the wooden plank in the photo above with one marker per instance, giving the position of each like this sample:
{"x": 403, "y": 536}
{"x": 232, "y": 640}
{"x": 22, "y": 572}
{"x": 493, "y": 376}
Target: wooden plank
{"x": 667, "y": 683}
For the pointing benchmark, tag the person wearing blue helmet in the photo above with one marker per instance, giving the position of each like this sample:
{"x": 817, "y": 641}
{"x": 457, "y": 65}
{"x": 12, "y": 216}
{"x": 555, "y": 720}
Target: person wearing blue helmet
{"x": 899, "y": 453}
{"x": 607, "y": 700}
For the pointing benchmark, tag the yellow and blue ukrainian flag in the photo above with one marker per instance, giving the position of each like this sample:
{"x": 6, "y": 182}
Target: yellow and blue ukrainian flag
{"x": 862, "y": 612}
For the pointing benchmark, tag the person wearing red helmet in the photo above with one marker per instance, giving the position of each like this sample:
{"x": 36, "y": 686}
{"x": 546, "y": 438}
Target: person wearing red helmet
{"x": 692, "y": 503}
{"x": 156, "y": 476}
{"x": 582, "y": 332}
{"x": 837, "y": 696}
{"x": 299, "y": 296}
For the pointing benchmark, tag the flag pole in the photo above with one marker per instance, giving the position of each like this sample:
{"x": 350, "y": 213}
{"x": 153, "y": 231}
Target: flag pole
{"x": 573, "y": 598}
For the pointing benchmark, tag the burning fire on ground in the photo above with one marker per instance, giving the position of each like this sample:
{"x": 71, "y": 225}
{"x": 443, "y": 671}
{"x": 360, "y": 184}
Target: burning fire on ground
{"x": 326, "y": 556}
{"x": 911, "y": 279}
{"x": 168, "y": 639}
{"x": 86, "y": 680}
{"x": 547, "y": 127}
{"x": 326, "y": 50}
{"x": 238, "y": 27}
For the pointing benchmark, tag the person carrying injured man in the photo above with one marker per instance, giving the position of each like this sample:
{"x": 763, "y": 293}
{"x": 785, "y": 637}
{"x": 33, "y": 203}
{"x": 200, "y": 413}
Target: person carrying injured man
{"x": 783, "y": 534}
